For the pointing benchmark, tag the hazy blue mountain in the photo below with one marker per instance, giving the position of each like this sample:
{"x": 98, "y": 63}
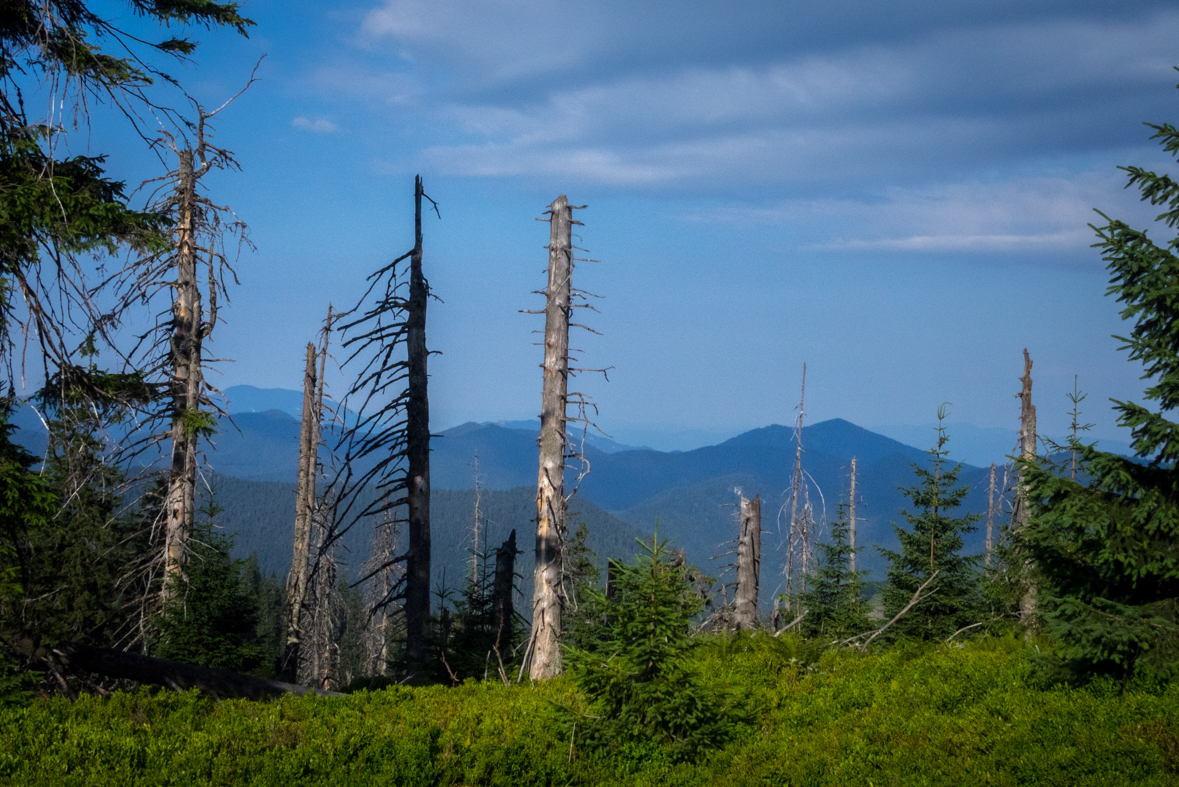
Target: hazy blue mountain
{"x": 261, "y": 516}
{"x": 249, "y": 399}
{"x": 690, "y": 493}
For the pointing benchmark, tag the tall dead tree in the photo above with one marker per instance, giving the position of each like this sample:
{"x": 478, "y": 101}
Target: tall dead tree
{"x": 544, "y": 656}
{"x": 319, "y": 649}
{"x": 310, "y": 434}
{"x": 188, "y": 333}
{"x": 391, "y": 429}
{"x": 800, "y": 534}
{"x": 748, "y": 563}
{"x": 193, "y": 273}
{"x": 852, "y": 519}
{"x": 417, "y": 450}
{"x": 1027, "y": 452}
{"x": 990, "y": 517}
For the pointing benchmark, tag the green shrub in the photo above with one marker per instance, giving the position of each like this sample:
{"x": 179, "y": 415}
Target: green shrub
{"x": 646, "y": 700}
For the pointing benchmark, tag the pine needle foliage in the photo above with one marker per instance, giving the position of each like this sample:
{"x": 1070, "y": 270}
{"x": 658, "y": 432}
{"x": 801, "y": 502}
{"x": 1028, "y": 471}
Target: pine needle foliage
{"x": 210, "y": 618}
{"x": 1107, "y": 545}
{"x": 644, "y": 693}
{"x": 582, "y": 618}
{"x": 834, "y": 601}
{"x": 934, "y": 543}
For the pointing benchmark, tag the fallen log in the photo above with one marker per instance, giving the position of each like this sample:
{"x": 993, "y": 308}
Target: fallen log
{"x": 178, "y": 676}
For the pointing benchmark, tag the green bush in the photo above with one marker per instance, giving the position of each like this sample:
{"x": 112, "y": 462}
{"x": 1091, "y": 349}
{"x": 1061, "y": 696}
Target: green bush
{"x": 646, "y": 700}
{"x": 917, "y": 714}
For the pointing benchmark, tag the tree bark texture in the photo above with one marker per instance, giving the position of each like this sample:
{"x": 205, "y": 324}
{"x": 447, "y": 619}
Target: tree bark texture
{"x": 545, "y": 655}
{"x": 852, "y": 519}
{"x": 748, "y": 564}
{"x": 304, "y": 507}
{"x": 990, "y": 516}
{"x": 185, "y": 369}
{"x": 417, "y": 413}
{"x": 1027, "y": 451}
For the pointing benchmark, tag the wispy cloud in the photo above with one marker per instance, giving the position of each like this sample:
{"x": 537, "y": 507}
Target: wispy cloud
{"x": 1019, "y": 215}
{"x": 317, "y": 125}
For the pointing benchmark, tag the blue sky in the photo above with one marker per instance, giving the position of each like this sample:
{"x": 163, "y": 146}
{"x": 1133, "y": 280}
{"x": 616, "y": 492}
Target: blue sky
{"x": 896, "y": 194}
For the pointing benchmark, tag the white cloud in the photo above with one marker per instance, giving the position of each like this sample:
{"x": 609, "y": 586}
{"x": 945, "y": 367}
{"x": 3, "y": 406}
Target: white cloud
{"x": 1018, "y": 215}
{"x": 318, "y": 125}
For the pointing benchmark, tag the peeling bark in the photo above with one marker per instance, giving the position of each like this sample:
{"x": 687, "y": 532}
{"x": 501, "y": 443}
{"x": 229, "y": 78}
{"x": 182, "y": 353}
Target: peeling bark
{"x": 184, "y": 362}
{"x": 545, "y": 655}
{"x": 1027, "y": 451}
{"x": 748, "y": 564}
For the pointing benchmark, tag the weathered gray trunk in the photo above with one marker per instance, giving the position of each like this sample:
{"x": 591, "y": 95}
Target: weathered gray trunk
{"x": 377, "y": 631}
{"x": 852, "y": 519}
{"x": 501, "y": 589}
{"x": 304, "y": 507}
{"x": 545, "y": 654}
{"x": 797, "y": 537}
{"x": 1027, "y": 451}
{"x": 748, "y": 564}
{"x": 990, "y": 516}
{"x": 318, "y": 649}
{"x": 185, "y": 369}
{"x": 417, "y": 414}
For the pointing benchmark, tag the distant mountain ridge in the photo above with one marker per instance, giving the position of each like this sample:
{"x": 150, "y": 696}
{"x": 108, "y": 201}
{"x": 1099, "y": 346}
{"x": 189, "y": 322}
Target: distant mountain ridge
{"x": 690, "y": 494}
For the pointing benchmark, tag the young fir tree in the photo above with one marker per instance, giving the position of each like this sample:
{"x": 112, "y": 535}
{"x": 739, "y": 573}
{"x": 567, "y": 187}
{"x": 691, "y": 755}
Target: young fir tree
{"x": 470, "y": 650}
{"x": 268, "y": 597}
{"x": 76, "y": 565}
{"x": 1107, "y": 545}
{"x": 933, "y": 543}
{"x": 582, "y": 620}
{"x": 209, "y": 618}
{"x": 834, "y": 600}
{"x": 642, "y": 688}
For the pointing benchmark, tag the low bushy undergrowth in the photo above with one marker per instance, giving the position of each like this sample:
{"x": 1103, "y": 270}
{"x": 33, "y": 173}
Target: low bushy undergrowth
{"x": 914, "y": 715}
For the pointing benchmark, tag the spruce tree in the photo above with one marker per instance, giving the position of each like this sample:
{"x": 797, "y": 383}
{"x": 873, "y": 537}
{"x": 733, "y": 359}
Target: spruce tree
{"x": 834, "y": 601}
{"x": 1107, "y": 544}
{"x": 933, "y": 543}
{"x": 582, "y": 620}
{"x": 209, "y": 619}
{"x": 642, "y": 688}
{"x": 78, "y": 564}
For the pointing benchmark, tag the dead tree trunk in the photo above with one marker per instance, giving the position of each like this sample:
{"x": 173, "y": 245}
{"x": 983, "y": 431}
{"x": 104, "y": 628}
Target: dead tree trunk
{"x": 382, "y": 584}
{"x": 304, "y": 508}
{"x": 990, "y": 517}
{"x": 852, "y": 519}
{"x": 184, "y": 362}
{"x": 1027, "y": 451}
{"x": 748, "y": 564}
{"x": 797, "y": 535}
{"x": 501, "y": 590}
{"x": 318, "y": 650}
{"x": 417, "y": 433}
{"x": 544, "y": 656}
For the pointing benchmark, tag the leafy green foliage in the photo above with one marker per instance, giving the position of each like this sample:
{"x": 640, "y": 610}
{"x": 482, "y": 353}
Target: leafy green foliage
{"x": 644, "y": 694}
{"x": 933, "y": 543}
{"x": 1108, "y": 548}
{"x": 209, "y": 618}
{"x": 834, "y": 601}
{"x": 917, "y": 714}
